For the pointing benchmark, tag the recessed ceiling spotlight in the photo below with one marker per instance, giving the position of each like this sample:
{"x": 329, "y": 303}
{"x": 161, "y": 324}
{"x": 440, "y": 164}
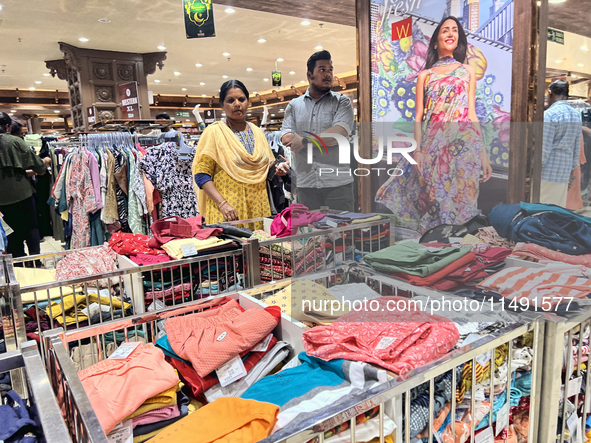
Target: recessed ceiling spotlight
{"x": 580, "y": 65}
{"x": 224, "y": 76}
{"x": 261, "y": 40}
{"x": 31, "y": 89}
{"x": 229, "y": 10}
{"x": 156, "y": 81}
{"x": 183, "y": 89}
{"x": 13, "y": 110}
{"x": 104, "y": 20}
{"x": 282, "y": 110}
{"x": 226, "y": 54}
{"x": 47, "y": 74}
{"x": 198, "y": 65}
{"x": 223, "y": 114}
{"x": 584, "y": 47}
{"x": 302, "y": 81}
{"x": 177, "y": 73}
{"x": 254, "y": 92}
{"x": 38, "y": 82}
{"x": 248, "y": 115}
{"x": 83, "y": 39}
{"x": 57, "y": 112}
{"x": 265, "y": 79}
{"x": 272, "y": 115}
{"x": 305, "y": 22}
{"x": 558, "y": 61}
{"x": 556, "y": 1}
{"x": 162, "y": 48}
{"x": 201, "y": 83}
{"x": 279, "y": 59}
{"x": 203, "y": 95}
{"x": 249, "y": 69}
{"x": 292, "y": 72}
{"x": 0, "y": 7}
{"x": 318, "y": 48}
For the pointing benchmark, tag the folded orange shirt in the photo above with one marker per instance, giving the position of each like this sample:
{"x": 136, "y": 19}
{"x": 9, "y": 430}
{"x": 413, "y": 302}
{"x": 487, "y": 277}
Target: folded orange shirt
{"x": 226, "y": 420}
{"x": 116, "y": 388}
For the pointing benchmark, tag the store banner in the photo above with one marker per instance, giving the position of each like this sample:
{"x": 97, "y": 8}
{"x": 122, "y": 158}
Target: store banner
{"x": 130, "y": 103}
{"x": 276, "y": 75}
{"x": 401, "y": 42}
{"x": 90, "y": 115}
{"x": 209, "y": 116}
{"x": 199, "y": 21}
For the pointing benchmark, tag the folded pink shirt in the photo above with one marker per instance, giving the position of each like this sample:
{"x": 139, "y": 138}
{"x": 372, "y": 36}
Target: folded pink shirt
{"x": 157, "y": 415}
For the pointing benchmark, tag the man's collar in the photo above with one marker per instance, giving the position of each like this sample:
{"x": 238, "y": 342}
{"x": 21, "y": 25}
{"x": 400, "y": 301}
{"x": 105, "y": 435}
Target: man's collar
{"x": 307, "y": 94}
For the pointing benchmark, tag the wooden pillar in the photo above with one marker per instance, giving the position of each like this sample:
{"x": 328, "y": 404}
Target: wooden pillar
{"x": 363, "y": 9}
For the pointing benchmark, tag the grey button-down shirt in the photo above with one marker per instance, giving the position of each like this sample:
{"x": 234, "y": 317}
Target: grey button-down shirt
{"x": 304, "y": 114}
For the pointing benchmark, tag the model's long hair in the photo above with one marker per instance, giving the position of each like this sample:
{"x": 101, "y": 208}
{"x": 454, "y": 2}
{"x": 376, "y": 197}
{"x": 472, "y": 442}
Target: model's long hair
{"x": 460, "y": 51}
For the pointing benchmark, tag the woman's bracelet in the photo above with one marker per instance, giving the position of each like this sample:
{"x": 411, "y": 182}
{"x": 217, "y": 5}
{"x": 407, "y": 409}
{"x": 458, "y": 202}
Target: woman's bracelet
{"x": 220, "y": 204}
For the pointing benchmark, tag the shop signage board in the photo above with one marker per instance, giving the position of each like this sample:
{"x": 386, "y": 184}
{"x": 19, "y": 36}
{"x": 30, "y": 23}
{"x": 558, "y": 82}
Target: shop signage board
{"x": 182, "y": 115}
{"x": 556, "y": 36}
{"x": 91, "y": 115}
{"x": 130, "y": 103}
{"x": 209, "y": 116}
{"x": 199, "y": 21}
{"x": 276, "y": 76}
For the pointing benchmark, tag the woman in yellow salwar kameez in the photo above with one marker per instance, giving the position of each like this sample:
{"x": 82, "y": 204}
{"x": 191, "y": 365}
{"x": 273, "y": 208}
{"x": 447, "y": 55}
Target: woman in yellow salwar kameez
{"x": 232, "y": 163}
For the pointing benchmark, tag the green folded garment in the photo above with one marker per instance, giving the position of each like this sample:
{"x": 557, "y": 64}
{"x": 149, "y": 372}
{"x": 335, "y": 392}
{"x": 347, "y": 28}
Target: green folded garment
{"x": 414, "y": 258}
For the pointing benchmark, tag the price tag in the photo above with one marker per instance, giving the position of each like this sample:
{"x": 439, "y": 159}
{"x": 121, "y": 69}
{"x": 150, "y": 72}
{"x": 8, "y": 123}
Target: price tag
{"x": 485, "y": 436}
{"x": 502, "y": 419}
{"x": 385, "y": 342}
{"x": 188, "y": 250}
{"x": 574, "y": 425}
{"x": 332, "y": 224}
{"x": 263, "y": 345}
{"x": 125, "y": 350}
{"x": 480, "y": 395}
{"x": 231, "y": 371}
{"x": 483, "y": 359}
{"x": 574, "y": 386}
{"x": 455, "y": 239}
{"x": 123, "y": 433}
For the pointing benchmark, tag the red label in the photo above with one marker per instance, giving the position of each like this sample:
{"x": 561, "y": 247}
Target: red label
{"x": 402, "y": 29}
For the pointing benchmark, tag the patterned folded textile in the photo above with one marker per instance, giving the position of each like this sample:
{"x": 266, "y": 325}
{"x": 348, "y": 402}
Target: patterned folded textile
{"x": 85, "y": 262}
{"x": 542, "y": 254}
{"x": 177, "y": 290}
{"x": 132, "y": 244}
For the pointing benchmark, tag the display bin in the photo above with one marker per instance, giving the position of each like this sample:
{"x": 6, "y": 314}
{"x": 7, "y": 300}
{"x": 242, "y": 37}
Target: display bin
{"x": 313, "y": 250}
{"x": 37, "y": 388}
{"x": 560, "y": 332}
{"x": 63, "y": 375}
{"x": 139, "y": 284}
{"x": 11, "y": 309}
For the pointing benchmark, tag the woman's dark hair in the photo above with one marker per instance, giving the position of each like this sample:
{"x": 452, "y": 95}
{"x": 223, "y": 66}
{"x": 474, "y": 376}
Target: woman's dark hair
{"x": 460, "y": 51}
{"x": 231, "y": 84}
{"x": 559, "y": 88}
{"x": 4, "y": 121}
{"x": 163, "y": 116}
{"x": 320, "y": 55}
{"x": 16, "y": 128}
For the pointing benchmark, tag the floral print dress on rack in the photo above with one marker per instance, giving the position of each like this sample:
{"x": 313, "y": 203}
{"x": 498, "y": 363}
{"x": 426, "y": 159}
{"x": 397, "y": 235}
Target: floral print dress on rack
{"x": 447, "y": 192}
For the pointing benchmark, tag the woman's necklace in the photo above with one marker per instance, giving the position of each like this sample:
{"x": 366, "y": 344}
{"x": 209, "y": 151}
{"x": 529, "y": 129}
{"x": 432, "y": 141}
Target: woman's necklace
{"x": 234, "y": 129}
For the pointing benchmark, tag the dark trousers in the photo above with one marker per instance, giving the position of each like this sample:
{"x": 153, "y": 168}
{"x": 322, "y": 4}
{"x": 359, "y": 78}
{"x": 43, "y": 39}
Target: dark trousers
{"x": 339, "y": 198}
{"x": 22, "y": 218}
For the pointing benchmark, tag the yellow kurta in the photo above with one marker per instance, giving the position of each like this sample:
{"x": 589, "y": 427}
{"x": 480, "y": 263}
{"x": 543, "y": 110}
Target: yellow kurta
{"x": 250, "y": 201}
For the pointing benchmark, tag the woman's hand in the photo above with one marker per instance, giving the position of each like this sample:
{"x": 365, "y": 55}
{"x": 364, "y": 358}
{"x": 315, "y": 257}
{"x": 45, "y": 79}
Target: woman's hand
{"x": 229, "y": 213}
{"x": 418, "y": 157}
{"x": 30, "y": 173}
{"x": 282, "y": 169}
{"x": 486, "y": 169}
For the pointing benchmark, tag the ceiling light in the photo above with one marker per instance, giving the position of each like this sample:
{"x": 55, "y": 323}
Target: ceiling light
{"x": 183, "y": 89}
{"x": 177, "y": 73}
{"x": 279, "y": 59}
{"x": 265, "y": 79}
{"x": 230, "y": 10}
{"x": 580, "y": 65}
{"x": 223, "y": 114}
{"x": 156, "y": 81}
{"x": 254, "y": 92}
{"x": 224, "y": 76}
{"x": 318, "y": 48}
{"x": 162, "y": 48}
{"x": 584, "y": 47}
{"x": 0, "y": 7}
{"x": 198, "y": 65}
{"x": 292, "y": 72}
{"x": 57, "y": 112}
{"x": 282, "y": 110}
{"x": 226, "y": 54}
{"x": 47, "y": 74}
{"x": 354, "y": 100}
{"x": 83, "y": 39}
{"x": 272, "y": 115}
{"x": 558, "y": 61}
{"x": 248, "y": 115}
{"x": 201, "y": 83}
{"x": 187, "y": 120}
{"x": 38, "y": 82}
{"x": 302, "y": 81}
{"x": 261, "y": 40}
{"x": 305, "y": 22}
{"x": 13, "y": 110}
{"x": 556, "y": 1}
{"x": 104, "y": 20}
{"x": 203, "y": 95}
{"x": 31, "y": 89}
{"x": 249, "y": 69}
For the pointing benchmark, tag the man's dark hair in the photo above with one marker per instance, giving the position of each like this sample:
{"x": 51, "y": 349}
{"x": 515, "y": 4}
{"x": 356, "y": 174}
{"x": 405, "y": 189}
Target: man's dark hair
{"x": 16, "y": 128}
{"x": 559, "y": 88}
{"x": 320, "y": 55}
{"x": 163, "y": 116}
{"x": 4, "y": 121}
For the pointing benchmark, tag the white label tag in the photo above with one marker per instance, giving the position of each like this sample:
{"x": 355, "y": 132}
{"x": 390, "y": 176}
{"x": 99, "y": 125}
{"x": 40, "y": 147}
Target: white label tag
{"x": 455, "y": 239}
{"x": 574, "y": 386}
{"x": 222, "y": 336}
{"x": 385, "y": 342}
{"x": 332, "y": 224}
{"x": 263, "y": 345}
{"x": 125, "y": 350}
{"x": 231, "y": 371}
{"x": 483, "y": 359}
{"x": 502, "y": 419}
{"x": 573, "y": 423}
{"x": 485, "y": 436}
{"x": 188, "y": 250}
{"x": 480, "y": 395}
{"x": 123, "y": 433}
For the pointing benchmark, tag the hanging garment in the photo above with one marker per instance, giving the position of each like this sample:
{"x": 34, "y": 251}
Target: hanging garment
{"x": 172, "y": 177}
{"x": 80, "y": 194}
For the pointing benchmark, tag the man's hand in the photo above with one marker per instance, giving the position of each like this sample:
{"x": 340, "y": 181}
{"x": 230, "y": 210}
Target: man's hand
{"x": 30, "y": 173}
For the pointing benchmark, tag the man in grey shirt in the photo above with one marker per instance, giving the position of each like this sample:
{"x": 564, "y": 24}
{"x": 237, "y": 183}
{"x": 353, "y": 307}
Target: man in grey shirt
{"x": 321, "y": 182}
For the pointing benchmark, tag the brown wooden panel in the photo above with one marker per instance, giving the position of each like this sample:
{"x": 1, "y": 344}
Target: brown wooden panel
{"x": 364, "y": 96}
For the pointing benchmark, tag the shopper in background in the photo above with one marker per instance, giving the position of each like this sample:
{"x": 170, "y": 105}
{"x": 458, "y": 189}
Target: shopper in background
{"x": 17, "y": 203}
{"x": 232, "y": 163}
{"x": 164, "y": 116}
{"x": 318, "y": 111}
{"x": 443, "y": 187}
{"x": 563, "y": 127}
{"x": 16, "y": 129}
